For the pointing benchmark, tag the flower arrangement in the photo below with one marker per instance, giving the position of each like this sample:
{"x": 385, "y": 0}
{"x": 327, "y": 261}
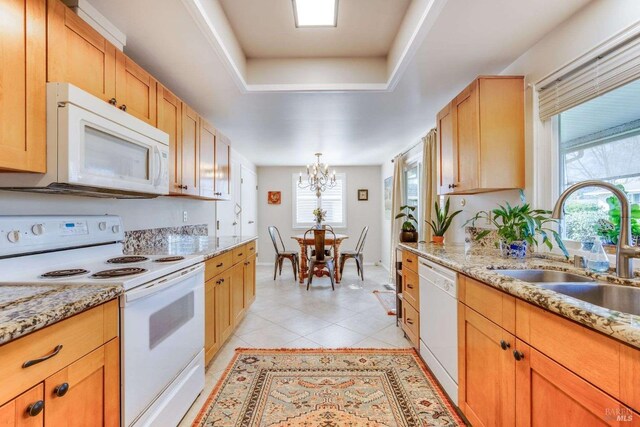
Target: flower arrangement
{"x": 319, "y": 215}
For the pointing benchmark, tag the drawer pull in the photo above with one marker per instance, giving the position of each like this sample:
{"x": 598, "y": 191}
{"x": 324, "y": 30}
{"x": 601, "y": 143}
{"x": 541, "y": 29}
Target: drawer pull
{"x": 240, "y": 254}
{"x": 409, "y": 321}
{"x": 61, "y": 389}
{"x": 252, "y": 249}
{"x": 43, "y": 358}
{"x": 35, "y": 408}
{"x": 220, "y": 265}
{"x": 518, "y": 355}
{"x": 409, "y": 285}
{"x": 504, "y": 345}
{"x": 409, "y": 260}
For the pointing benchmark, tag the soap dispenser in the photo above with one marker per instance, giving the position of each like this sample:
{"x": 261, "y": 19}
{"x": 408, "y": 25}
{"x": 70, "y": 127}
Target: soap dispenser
{"x": 597, "y": 260}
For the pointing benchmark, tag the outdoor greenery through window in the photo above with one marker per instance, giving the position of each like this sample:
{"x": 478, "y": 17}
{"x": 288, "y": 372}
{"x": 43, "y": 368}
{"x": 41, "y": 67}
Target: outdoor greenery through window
{"x": 600, "y": 139}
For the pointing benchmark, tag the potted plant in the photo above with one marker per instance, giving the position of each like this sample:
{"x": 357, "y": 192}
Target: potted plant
{"x": 320, "y": 216}
{"x": 440, "y": 224}
{"x": 408, "y": 233}
{"x": 517, "y": 228}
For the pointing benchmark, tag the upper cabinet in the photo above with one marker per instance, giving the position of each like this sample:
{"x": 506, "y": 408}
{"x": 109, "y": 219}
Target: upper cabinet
{"x": 169, "y": 120}
{"x": 78, "y": 54}
{"x": 481, "y": 137}
{"x": 135, "y": 89}
{"x": 190, "y": 174}
{"x": 22, "y": 83}
{"x": 207, "y": 159}
{"x": 223, "y": 168}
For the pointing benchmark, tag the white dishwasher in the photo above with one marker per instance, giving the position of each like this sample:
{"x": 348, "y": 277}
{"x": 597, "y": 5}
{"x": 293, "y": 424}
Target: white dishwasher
{"x": 439, "y": 324}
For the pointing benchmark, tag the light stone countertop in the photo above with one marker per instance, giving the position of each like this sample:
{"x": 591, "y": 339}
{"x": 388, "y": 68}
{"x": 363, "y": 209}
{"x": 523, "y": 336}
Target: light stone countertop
{"x": 484, "y": 265}
{"x": 206, "y": 246}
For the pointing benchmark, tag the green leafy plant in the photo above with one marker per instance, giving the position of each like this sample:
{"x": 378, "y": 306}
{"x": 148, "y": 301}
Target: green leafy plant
{"x": 443, "y": 219}
{"x": 520, "y": 223}
{"x": 319, "y": 214}
{"x": 609, "y": 230}
{"x": 410, "y": 223}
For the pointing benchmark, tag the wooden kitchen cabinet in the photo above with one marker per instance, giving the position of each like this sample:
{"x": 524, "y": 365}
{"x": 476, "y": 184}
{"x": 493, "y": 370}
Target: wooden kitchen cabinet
{"x": 78, "y": 54}
{"x": 190, "y": 166}
{"x": 26, "y": 410}
{"x": 169, "y": 120}
{"x": 486, "y": 366}
{"x": 23, "y": 79}
{"x": 207, "y": 159}
{"x": 136, "y": 90}
{"x": 223, "y": 168}
{"x": 224, "y": 306}
{"x": 250, "y": 278}
{"x": 85, "y": 392}
{"x": 211, "y": 333}
{"x": 237, "y": 291}
{"x": 481, "y": 137}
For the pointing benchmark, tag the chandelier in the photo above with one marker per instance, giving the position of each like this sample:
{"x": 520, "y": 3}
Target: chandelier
{"x": 318, "y": 177}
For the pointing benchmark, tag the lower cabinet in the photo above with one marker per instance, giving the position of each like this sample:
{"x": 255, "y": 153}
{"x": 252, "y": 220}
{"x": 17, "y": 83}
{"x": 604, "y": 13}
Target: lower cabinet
{"x": 77, "y": 385}
{"x": 228, "y": 295}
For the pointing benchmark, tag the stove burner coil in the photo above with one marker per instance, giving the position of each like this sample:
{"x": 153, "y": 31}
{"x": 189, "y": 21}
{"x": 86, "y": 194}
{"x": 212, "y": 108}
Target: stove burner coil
{"x": 64, "y": 273}
{"x": 118, "y": 272}
{"x": 127, "y": 259}
{"x": 170, "y": 259}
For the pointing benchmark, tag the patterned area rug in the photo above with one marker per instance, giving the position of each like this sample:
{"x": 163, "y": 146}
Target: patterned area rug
{"x": 327, "y": 388}
{"x": 388, "y": 301}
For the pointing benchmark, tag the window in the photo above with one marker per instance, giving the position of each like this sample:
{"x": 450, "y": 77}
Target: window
{"x": 332, "y": 200}
{"x": 599, "y": 139}
{"x": 412, "y": 189}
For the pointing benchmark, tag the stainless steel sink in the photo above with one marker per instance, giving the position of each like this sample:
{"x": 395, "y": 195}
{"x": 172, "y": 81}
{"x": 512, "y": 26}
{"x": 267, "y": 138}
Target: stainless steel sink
{"x": 625, "y": 299}
{"x": 545, "y": 276}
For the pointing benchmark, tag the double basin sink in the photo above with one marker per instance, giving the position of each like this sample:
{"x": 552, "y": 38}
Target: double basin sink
{"x": 625, "y": 299}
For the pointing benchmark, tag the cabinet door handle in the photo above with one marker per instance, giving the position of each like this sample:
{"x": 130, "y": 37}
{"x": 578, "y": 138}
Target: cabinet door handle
{"x": 185, "y": 187}
{"x": 35, "y": 408}
{"x": 113, "y": 101}
{"x": 409, "y": 321}
{"x": 409, "y": 285}
{"x": 123, "y": 107}
{"x": 220, "y": 265}
{"x": 518, "y": 355}
{"x": 504, "y": 345}
{"x": 43, "y": 358}
{"x": 61, "y": 389}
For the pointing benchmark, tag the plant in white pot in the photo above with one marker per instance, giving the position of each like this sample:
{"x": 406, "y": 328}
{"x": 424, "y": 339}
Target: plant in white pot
{"x": 517, "y": 227}
{"x": 440, "y": 224}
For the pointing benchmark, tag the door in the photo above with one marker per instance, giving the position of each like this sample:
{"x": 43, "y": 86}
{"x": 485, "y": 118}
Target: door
{"x": 467, "y": 138}
{"x": 22, "y": 79}
{"x": 549, "y": 394}
{"x": 25, "y": 410}
{"x": 87, "y": 392}
{"x": 169, "y": 120}
{"x": 223, "y": 170}
{"x": 207, "y": 159}
{"x": 447, "y": 149}
{"x": 78, "y": 54}
{"x": 250, "y": 280}
{"x": 211, "y": 332}
{"x": 136, "y": 90}
{"x": 487, "y": 370}
{"x": 190, "y": 151}
{"x": 238, "y": 284}
{"x": 224, "y": 304}
{"x": 249, "y": 202}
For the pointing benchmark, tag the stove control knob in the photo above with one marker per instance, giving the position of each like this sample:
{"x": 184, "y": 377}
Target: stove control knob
{"x": 13, "y": 236}
{"x": 115, "y": 229}
{"x": 102, "y": 225}
{"x": 38, "y": 229}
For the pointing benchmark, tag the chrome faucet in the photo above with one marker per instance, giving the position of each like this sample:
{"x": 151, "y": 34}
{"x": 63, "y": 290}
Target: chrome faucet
{"x": 624, "y": 250}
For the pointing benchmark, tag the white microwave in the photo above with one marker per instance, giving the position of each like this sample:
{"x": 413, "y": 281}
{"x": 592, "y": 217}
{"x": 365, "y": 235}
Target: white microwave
{"x": 95, "y": 149}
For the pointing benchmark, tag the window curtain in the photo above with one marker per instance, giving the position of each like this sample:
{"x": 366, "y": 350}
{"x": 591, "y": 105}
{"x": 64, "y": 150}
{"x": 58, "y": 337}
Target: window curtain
{"x": 397, "y": 200}
{"x": 429, "y": 194}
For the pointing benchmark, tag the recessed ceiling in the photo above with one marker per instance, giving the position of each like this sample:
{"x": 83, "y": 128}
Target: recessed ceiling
{"x": 266, "y": 29}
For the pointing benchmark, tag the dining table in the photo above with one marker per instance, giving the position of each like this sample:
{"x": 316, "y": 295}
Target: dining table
{"x": 310, "y": 241}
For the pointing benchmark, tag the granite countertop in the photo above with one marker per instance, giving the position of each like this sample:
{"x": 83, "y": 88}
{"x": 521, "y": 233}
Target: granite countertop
{"x": 25, "y": 308}
{"x": 206, "y": 246}
{"x": 484, "y": 265}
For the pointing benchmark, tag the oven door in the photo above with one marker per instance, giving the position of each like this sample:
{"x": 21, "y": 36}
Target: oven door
{"x": 97, "y": 152}
{"x": 162, "y": 330}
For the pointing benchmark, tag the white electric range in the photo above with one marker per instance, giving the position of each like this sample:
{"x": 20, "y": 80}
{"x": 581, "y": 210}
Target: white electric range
{"x": 161, "y": 311}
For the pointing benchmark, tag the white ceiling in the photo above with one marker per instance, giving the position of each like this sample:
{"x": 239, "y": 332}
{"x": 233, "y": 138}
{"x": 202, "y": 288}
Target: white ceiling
{"x": 351, "y": 128}
{"x": 266, "y": 29}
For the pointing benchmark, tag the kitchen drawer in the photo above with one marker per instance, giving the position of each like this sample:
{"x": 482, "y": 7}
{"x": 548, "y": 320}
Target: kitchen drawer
{"x": 410, "y": 288}
{"x": 409, "y": 261}
{"x": 493, "y": 304}
{"x": 410, "y": 324}
{"x": 587, "y": 353}
{"x": 78, "y": 335}
{"x": 240, "y": 254}
{"x": 217, "y": 265}
{"x": 251, "y": 248}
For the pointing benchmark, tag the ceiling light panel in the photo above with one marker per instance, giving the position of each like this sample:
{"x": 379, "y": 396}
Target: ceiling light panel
{"x": 315, "y": 13}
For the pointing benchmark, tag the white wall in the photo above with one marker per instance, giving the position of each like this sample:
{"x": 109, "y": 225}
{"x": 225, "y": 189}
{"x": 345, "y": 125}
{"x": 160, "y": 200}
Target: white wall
{"x": 359, "y": 213}
{"x": 386, "y": 170}
{"x": 226, "y": 210}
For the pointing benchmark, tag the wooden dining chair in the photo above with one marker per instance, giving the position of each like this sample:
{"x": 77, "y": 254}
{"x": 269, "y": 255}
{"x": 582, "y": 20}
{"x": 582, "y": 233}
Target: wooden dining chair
{"x": 320, "y": 260}
{"x": 282, "y": 253}
{"x": 356, "y": 254}
{"x": 327, "y": 249}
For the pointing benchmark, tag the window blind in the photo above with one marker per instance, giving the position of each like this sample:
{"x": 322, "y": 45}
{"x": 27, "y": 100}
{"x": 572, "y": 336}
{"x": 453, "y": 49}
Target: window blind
{"x": 332, "y": 200}
{"x": 609, "y": 70}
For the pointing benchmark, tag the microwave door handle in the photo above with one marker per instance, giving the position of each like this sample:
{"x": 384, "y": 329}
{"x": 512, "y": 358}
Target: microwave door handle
{"x": 158, "y": 166}
{"x": 162, "y": 284}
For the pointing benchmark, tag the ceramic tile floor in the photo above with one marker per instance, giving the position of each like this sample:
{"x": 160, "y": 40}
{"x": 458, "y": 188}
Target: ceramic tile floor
{"x": 284, "y": 314}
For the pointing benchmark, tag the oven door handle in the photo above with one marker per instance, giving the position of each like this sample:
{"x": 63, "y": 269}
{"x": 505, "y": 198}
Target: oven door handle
{"x": 162, "y": 284}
